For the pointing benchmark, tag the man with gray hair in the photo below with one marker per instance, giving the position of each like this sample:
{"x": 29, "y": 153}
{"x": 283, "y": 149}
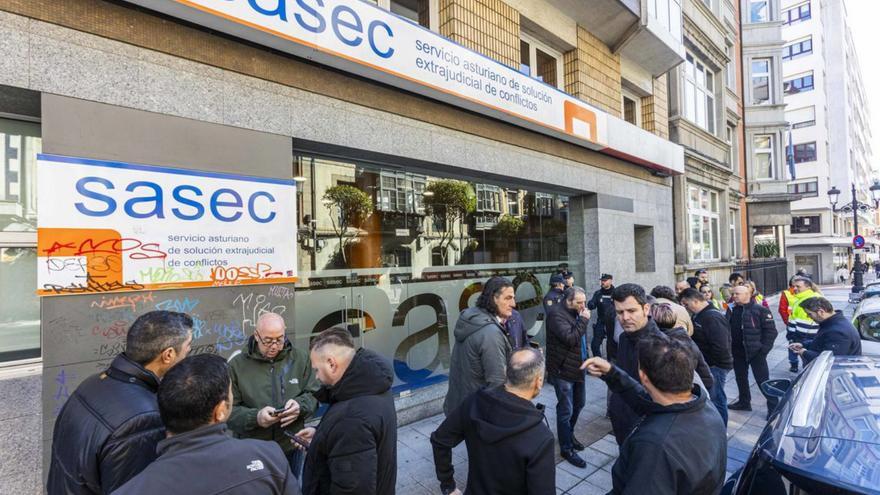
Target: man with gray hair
{"x": 108, "y": 430}
{"x": 272, "y": 387}
{"x": 510, "y": 446}
{"x": 566, "y": 348}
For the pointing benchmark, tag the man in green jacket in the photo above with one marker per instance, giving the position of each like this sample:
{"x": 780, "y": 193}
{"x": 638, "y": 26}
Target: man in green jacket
{"x": 272, "y": 387}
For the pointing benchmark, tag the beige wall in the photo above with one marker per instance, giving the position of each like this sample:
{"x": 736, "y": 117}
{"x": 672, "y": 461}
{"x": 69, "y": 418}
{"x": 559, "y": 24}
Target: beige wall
{"x": 592, "y": 73}
{"x": 490, "y": 27}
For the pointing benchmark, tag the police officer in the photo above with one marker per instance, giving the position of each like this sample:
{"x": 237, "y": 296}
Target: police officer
{"x": 604, "y": 324}
{"x": 554, "y": 295}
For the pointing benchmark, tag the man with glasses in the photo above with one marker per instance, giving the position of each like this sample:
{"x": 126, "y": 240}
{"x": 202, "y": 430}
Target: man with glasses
{"x": 272, "y": 387}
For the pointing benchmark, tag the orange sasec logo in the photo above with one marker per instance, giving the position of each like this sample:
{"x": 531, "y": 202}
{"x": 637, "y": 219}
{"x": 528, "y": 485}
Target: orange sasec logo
{"x": 580, "y": 121}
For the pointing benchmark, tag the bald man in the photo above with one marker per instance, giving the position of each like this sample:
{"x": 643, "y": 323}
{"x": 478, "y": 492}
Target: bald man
{"x": 272, "y": 387}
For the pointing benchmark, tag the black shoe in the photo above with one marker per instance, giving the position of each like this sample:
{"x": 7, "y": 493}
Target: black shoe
{"x": 793, "y": 368}
{"x": 739, "y": 406}
{"x": 574, "y": 459}
{"x": 576, "y": 445}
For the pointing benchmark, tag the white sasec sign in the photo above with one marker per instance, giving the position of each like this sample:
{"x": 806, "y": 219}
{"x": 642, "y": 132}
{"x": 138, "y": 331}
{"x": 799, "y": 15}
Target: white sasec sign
{"x": 111, "y": 226}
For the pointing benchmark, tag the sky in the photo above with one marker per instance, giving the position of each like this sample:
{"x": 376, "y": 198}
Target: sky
{"x": 863, "y": 16}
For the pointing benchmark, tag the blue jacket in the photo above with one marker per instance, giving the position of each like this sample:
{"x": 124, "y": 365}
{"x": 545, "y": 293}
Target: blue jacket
{"x": 836, "y": 334}
{"x": 516, "y": 331}
{"x": 553, "y": 297}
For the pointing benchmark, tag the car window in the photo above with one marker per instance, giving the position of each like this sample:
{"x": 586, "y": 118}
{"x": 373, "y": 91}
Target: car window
{"x": 869, "y": 326}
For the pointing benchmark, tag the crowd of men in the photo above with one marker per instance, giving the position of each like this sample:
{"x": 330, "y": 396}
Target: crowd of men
{"x": 160, "y": 421}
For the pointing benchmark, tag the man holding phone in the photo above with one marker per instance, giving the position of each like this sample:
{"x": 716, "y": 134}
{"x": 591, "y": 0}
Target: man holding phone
{"x": 272, "y": 387}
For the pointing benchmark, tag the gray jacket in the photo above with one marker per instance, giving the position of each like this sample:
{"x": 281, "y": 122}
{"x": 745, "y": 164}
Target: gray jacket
{"x": 479, "y": 356}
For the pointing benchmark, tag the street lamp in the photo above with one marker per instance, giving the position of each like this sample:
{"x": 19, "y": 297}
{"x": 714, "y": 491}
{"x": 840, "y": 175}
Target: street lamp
{"x": 855, "y": 206}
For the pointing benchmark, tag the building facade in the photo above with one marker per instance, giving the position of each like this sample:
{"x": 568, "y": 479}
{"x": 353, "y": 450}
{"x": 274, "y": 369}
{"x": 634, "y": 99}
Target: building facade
{"x": 769, "y": 198}
{"x": 394, "y": 258}
{"x": 706, "y": 117}
{"x": 829, "y": 135}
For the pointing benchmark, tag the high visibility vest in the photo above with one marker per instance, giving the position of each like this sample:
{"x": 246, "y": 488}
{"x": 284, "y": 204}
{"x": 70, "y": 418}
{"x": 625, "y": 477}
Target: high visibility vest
{"x": 799, "y": 321}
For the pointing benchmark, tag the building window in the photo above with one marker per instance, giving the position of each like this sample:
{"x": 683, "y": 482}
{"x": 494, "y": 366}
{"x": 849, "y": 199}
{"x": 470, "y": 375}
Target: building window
{"x": 802, "y": 117}
{"x": 20, "y": 142}
{"x": 417, "y": 11}
{"x": 643, "y": 237}
{"x": 807, "y": 189}
{"x": 796, "y": 14}
{"x": 733, "y": 216}
{"x": 731, "y": 68}
{"x": 488, "y": 198}
{"x": 797, "y": 49}
{"x": 763, "y": 163}
{"x": 759, "y": 11}
{"x": 399, "y": 192}
{"x": 631, "y": 108}
{"x": 805, "y": 152}
{"x": 704, "y": 224}
{"x": 513, "y": 203}
{"x": 540, "y": 61}
{"x": 798, "y": 84}
{"x": 806, "y": 225}
{"x": 761, "y": 82}
{"x": 543, "y": 205}
{"x": 699, "y": 93}
{"x": 733, "y": 143}
{"x": 668, "y": 14}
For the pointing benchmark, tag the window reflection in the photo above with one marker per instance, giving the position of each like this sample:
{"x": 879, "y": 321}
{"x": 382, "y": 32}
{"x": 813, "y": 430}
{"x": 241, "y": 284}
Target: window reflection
{"x": 19, "y": 315}
{"x": 19, "y": 144}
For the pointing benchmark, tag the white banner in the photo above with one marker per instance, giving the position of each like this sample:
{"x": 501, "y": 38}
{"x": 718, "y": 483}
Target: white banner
{"x": 110, "y": 226}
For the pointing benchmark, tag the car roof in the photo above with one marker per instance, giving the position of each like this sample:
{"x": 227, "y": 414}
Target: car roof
{"x": 870, "y": 305}
{"x": 829, "y": 429}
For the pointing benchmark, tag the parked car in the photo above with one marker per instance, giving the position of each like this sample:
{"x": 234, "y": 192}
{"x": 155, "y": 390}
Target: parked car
{"x": 824, "y": 438}
{"x": 866, "y": 319}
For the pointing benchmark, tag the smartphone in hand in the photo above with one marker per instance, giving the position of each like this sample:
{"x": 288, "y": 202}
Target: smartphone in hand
{"x": 278, "y": 411}
{"x": 299, "y": 441}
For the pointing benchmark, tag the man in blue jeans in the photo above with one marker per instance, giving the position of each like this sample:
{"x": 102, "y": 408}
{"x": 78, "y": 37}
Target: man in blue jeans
{"x": 712, "y": 336}
{"x": 566, "y": 350}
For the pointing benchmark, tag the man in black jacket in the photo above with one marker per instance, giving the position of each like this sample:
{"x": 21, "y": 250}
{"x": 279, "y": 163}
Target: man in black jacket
{"x": 554, "y": 294}
{"x": 566, "y": 350}
{"x": 633, "y": 312}
{"x": 354, "y": 448}
{"x": 108, "y": 429}
{"x": 752, "y": 332}
{"x": 501, "y": 427}
{"x": 199, "y": 456}
{"x": 836, "y": 333}
{"x": 680, "y": 447}
{"x": 604, "y": 324}
{"x": 712, "y": 336}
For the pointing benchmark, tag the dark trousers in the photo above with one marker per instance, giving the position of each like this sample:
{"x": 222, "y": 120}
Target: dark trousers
{"x": 716, "y": 393}
{"x": 295, "y": 458}
{"x": 793, "y": 337}
{"x": 570, "y": 399}
{"x": 596, "y": 342}
{"x": 758, "y": 364}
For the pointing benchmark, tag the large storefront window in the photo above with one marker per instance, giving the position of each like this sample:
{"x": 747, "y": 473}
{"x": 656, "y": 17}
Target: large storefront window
{"x": 396, "y": 254}
{"x": 20, "y": 307}
{"x": 703, "y": 222}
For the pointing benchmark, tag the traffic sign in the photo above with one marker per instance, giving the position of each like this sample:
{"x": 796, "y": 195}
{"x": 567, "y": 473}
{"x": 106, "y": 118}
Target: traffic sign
{"x": 858, "y": 242}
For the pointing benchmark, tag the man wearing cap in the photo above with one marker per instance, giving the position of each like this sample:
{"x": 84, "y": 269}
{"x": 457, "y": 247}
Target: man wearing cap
{"x": 604, "y": 325}
{"x": 569, "y": 278}
{"x": 554, "y": 295}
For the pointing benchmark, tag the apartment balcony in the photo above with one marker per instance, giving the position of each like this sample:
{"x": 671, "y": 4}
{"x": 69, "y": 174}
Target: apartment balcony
{"x": 648, "y": 32}
{"x": 770, "y": 202}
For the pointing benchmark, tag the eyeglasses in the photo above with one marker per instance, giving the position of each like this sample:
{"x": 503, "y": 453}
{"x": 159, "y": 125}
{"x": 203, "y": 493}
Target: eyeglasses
{"x": 270, "y": 342}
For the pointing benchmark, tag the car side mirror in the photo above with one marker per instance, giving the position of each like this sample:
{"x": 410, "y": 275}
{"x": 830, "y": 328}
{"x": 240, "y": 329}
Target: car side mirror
{"x": 776, "y": 388}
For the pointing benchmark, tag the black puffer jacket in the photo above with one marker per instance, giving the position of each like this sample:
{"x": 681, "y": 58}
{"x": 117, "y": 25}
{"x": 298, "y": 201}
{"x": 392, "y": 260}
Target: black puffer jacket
{"x": 565, "y": 332}
{"x": 604, "y": 306}
{"x": 756, "y": 332}
{"x": 208, "y": 461}
{"x": 107, "y": 431}
{"x": 712, "y": 335}
{"x": 354, "y": 450}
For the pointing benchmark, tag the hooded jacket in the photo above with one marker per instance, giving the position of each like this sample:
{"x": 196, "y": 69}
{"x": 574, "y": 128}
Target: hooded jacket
{"x": 479, "y": 356}
{"x": 208, "y": 461}
{"x": 836, "y": 334}
{"x": 566, "y": 345}
{"x": 661, "y": 452}
{"x": 258, "y": 382}
{"x": 623, "y": 418}
{"x": 499, "y": 429}
{"x": 354, "y": 450}
{"x": 753, "y": 331}
{"x": 107, "y": 431}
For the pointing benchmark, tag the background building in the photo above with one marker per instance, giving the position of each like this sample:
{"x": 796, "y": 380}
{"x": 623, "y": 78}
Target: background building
{"x": 381, "y": 250}
{"x": 830, "y": 134}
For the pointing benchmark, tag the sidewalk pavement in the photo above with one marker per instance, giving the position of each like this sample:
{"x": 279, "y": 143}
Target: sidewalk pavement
{"x": 416, "y": 475}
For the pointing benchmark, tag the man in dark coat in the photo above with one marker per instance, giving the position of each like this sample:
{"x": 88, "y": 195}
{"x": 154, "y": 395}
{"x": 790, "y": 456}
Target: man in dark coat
{"x": 554, "y": 295}
{"x": 712, "y": 336}
{"x": 836, "y": 333}
{"x": 482, "y": 345}
{"x": 354, "y": 448}
{"x": 633, "y": 312}
{"x": 501, "y": 427}
{"x": 680, "y": 446}
{"x": 752, "y": 332}
{"x": 108, "y": 429}
{"x": 199, "y": 456}
{"x": 566, "y": 350}
{"x": 603, "y": 325}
